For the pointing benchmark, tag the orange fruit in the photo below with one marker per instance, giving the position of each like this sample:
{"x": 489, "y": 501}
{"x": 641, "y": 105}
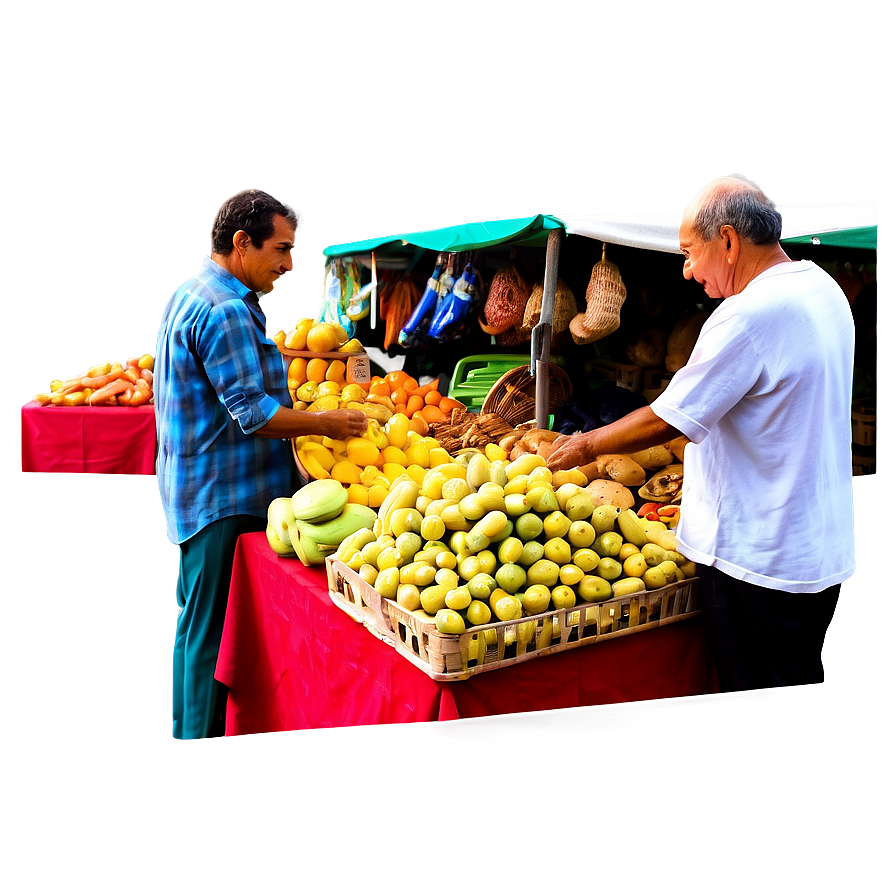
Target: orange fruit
{"x": 432, "y": 414}
{"x": 316, "y": 370}
{"x": 432, "y": 397}
{"x": 299, "y": 341}
{"x": 336, "y": 371}
{"x": 415, "y": 403}
{"x": 322, "y": 337}
{"x": 410, "y": 384}
{"x": 395, "y": 378}
{"x": 297, "y": 372}
{"x": 379, "y": 386}
{"x": 399, "y": 396}
{"x": 448, "y": 404}
{"x": 427, "y": 387}
{"x": 418, "y": 424}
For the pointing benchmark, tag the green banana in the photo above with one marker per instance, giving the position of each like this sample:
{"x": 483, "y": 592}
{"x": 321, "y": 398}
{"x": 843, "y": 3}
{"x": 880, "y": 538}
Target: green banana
{"x": 404, "y": 493}
{"x": 631, "y": 528}
{"x": 280, "y": 515}
{"x": 280, "y": 545}
{"x": 319, "y": 501}
{"x": 335, "y": 531}
{"x": 353, "y": 543}
{"x": 306, "y": 548}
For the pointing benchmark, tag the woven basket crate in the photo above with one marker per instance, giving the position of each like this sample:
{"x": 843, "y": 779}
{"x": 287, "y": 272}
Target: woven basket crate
{"x": 513, "y": 395}
{"x": 497, "y": 645}
{"x": 603, "y": 303}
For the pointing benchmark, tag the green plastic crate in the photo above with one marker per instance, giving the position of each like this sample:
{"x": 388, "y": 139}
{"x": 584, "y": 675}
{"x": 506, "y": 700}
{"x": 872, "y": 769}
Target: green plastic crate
{"x": 475, "y": 375}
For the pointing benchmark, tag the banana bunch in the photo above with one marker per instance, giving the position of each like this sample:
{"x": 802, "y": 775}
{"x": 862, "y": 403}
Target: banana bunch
{"x": 315, "y": 521}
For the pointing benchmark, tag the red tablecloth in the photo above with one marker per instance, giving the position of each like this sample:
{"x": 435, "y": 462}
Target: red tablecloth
{"x": 88, "y": 440}
{"x": 292, "y": 659}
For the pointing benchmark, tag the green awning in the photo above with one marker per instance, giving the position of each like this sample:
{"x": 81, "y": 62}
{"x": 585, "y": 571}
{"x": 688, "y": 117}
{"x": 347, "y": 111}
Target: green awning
{"x": 658, "y": 233}
{"x": 461, "y": 238}
{"x": 853, "y": 238}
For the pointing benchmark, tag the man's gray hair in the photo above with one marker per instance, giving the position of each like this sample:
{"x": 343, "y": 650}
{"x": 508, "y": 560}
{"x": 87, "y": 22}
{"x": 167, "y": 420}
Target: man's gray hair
{"x": 739, "y": 202}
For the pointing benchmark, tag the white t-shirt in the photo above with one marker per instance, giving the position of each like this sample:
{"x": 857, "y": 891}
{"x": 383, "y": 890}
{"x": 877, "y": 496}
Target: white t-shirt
{"x": 766, "y": 401}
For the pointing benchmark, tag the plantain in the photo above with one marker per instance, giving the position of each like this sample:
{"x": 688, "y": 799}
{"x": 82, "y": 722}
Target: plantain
{"x": 319, "y": 501}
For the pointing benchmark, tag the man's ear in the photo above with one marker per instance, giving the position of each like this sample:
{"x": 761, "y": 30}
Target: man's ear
{"x": 732, "y": 242}
{"x": 241, "y": 241}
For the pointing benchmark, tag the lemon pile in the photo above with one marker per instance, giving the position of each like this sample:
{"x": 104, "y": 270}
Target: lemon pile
{"x": 477, "y": 538}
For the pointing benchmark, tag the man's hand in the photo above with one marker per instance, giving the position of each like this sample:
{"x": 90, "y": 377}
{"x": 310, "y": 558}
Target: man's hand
{"x": 571, "y": 451}
{"x": 342, "y": 423}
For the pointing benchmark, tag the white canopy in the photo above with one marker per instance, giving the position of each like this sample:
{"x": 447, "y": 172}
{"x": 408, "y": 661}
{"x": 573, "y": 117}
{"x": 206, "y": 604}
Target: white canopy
{"x": 660, "y": 232}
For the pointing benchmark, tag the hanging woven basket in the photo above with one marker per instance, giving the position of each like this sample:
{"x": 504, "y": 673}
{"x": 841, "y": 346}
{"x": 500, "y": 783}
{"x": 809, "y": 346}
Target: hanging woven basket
{"x": 564, "y": 311}
{"x": 513, "y": 395}
{"x": 506, "y": 301}
{"x": 603, "y": 300}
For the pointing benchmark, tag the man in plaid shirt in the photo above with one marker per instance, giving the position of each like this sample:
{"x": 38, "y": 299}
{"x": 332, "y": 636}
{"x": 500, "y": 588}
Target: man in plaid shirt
{"x": 223, "y": 420}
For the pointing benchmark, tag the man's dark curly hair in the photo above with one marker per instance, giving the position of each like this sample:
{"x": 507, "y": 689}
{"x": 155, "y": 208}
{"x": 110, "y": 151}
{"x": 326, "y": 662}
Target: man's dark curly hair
{"x": 252, "y": 211}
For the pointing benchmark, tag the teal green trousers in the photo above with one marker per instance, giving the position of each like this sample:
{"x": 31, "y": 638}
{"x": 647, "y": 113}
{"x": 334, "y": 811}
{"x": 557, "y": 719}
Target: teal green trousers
{"x": 206, "y": 563}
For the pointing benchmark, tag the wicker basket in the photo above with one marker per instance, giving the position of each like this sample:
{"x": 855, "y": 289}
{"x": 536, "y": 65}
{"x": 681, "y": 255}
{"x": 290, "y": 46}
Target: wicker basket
{"x": 496, "y": 644}
{"x": 513, "y": 395}
{"x": 564, "y": 311}
{"x": 603, "y": 298}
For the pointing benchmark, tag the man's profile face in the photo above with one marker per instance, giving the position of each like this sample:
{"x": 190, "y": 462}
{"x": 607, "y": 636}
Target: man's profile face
{"x": 263, "y": 265}
{"x": 705, "y": 262}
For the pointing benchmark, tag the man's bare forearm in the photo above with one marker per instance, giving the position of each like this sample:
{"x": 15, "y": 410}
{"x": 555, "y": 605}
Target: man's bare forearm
{"x": 288, "y": 423}
{"x": 636, "y": 431}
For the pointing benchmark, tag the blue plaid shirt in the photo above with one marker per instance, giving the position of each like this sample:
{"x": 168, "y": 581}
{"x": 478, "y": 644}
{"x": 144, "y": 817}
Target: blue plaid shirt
{"x": 217, "y": 379}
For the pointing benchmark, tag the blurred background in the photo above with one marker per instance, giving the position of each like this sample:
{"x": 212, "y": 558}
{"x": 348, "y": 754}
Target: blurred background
{"x": 125, "y": 130}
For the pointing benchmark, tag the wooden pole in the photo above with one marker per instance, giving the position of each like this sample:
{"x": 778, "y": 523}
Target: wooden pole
{"x": 541, "y": 333}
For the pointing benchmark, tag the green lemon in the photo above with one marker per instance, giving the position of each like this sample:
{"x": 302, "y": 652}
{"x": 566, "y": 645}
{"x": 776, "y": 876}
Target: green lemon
{"x": 478, "y": 613}
{"x": 570, "y": 574}
{"x": 458, "y": 598}
{"x": 511, "y": 577}
{"x": 482, "y": 585}
{"x": 558, "y": 550}
{"x": 432, "y": 528}
{"x": 510, "y": 550}
{"x": 556, "y": 524}
{"x": 488, "y": 562}
{"x": 543, "y": 572}
{"x": 528, "y": 526}
{"x": 594, "y": 588}
{"x": 563, "y": 597}
{"x": 450, "y": 622}
{"x": 408, "y": 597}
{"x": 581, "y": 534}
{"x": 609, "y": 544}
{"x": 609, "y": 568}
{"x": 536, "y": 599}
{"x": 532, "y": 551}
{"x": 509, "y": 607}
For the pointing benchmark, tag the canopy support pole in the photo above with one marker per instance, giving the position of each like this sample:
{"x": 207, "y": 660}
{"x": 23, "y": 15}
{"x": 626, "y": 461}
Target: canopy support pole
{"x": 541, "y": 334}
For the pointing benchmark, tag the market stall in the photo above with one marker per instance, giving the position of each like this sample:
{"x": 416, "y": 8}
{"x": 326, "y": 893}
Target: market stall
{"x": 462, "y": 576}
{"x": 292, "y": 659}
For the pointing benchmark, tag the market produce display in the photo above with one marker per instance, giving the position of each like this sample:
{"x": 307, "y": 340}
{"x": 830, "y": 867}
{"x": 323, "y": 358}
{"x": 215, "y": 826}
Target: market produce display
{"x": 480, "y": 539}
{"x": 312, "y": 523}
{"x": 104, "y": 385}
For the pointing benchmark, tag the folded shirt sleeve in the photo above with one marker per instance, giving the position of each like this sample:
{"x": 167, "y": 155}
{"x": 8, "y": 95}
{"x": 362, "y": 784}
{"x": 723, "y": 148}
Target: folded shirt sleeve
{"x": 230, "y": 356}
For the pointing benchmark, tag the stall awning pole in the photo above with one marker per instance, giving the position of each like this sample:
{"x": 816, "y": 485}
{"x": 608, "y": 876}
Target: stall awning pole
{"x": 541, "y": 333}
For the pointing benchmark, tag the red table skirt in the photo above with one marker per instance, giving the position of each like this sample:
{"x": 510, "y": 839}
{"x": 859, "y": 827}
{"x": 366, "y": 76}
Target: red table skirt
{"x": 88, "y": 440}
{"x": 293, "y": 660}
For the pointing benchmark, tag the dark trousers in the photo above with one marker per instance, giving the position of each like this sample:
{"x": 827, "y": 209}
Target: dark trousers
{"x": 761, "y": 637}
{"x": 206, "y": 563}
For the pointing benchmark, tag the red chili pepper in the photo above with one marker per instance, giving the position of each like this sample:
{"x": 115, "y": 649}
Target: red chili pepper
{"x": 651, "y": 507}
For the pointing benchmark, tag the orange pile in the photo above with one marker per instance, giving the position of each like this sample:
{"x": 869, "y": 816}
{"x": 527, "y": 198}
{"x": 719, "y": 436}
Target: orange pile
{"x": 402, "y": 394}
